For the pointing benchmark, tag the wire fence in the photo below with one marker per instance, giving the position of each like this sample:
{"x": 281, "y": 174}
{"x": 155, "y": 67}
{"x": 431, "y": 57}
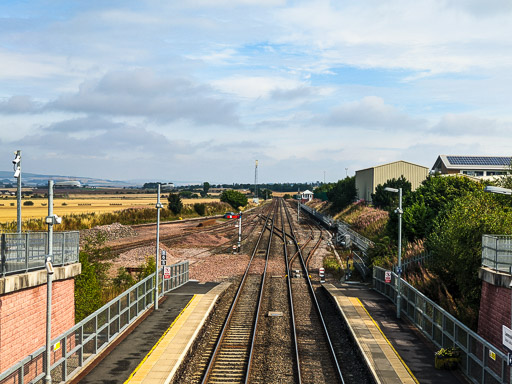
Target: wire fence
{"x": 79, "y": 345}
{"x": 24, "y": 252}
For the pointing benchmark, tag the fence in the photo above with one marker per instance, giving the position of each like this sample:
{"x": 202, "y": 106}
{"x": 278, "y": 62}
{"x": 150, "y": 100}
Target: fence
{"x": 78, "y": 346}
{"x": 23, "y": 252}
{"x": 422, "y": 258}
{"x": 497, "y": 252}
{"x": 444, "y": 330}
{"x": 342, "y": 228}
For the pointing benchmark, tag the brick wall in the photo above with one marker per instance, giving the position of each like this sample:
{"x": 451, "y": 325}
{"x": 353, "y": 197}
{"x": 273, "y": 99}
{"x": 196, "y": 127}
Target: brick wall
{"x": 23, "y": 319}
{"x": 494, "y": 312}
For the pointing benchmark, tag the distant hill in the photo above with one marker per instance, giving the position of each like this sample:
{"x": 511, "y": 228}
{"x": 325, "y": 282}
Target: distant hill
{"x": 33, "y": 179}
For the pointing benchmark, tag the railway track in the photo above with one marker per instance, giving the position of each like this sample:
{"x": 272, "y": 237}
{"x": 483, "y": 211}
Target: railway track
{"x": 231, "y": 357}
{"x": 277, "y": 332}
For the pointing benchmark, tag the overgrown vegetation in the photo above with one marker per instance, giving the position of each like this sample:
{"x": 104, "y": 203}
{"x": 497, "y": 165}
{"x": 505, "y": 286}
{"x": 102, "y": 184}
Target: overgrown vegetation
{"x": 175, "y": 203}
{"x": 130, "y": 216}
{"x": 93, "y": 287}
{"x": 446, "y": 216}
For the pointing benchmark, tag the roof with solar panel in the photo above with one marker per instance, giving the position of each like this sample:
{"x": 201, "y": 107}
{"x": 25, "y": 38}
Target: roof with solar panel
{"x": 449, "y": 164}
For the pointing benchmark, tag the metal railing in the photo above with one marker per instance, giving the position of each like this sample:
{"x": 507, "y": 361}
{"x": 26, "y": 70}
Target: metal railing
{"x": 497, "y": 252}
{"x": 76, "y": 347}
{"x": 342, "y": 228}
{"x": 360, "y": 264}
{"x": 444, "y": 331}
{"x": 23, "y": 252}
{"x": 421, "y": 258}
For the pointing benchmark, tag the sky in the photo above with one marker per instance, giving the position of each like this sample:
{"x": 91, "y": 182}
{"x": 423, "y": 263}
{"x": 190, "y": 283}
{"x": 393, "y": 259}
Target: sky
{"x": 193, "y": 91}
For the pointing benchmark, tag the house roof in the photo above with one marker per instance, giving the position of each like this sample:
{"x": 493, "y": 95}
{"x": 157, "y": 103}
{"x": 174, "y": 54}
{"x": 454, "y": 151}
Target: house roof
{"x": 473, "y": 162}
{"x": 307, "y": 192}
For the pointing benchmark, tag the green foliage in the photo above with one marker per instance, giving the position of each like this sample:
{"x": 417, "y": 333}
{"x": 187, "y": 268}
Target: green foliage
{"x": 389, "y": 200}
{"x": 89, "y": 284}
{"x": 200, "y": 208}
{"x": 265, "y": 194}
{"x": 188, "y": 195}
{"x": 287, "y": 196}
{"x": 234, "y": 198}
{"x": 342, "y": 193}
{"x": 456, "y": 243}
{"x": 123, "y": 279}
{"x": 148, "y": 268}
{"x": 429, "y": 201}
{"x": 206, "y": 188}
{"x": 175, "y": 203}
{"x": 28, "y": 202}
{"x": 333, "y": 267}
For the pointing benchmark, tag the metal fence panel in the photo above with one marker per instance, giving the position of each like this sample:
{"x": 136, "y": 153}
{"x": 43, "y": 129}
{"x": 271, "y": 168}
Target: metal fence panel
{"x": 84, "y": 340}
{"x": 497, "y": 252}
{"x": 23, "y": 252}
{"x": 444, "y": 330}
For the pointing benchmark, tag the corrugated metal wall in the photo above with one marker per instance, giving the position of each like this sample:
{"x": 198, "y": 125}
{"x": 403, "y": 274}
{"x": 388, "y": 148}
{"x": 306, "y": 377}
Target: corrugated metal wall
{"x": 412, "y": 172}
{"x": 364, "y": 184}
{"x": 368, "y": 179}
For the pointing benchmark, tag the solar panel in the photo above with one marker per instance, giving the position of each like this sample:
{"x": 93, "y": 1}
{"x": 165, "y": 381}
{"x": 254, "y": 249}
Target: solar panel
{"x": 479, "y": 160}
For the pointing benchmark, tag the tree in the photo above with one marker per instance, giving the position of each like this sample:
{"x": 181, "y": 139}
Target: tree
{"x": 430, "y": 200}
{"x": 343, "y": 193}
{"x": 388, "y": 200}
{"x": 200, "y": 208}
{"x": 456, "y": 243}
{"x": 175, "y": 203}
{"x": 234, "y": 198}
{"x": 206, "y": 188}
{"x": 264, "y": 194}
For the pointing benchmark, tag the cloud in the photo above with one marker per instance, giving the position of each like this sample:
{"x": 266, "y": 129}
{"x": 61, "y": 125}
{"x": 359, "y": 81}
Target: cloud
{"x": 253, "y": 87}
{"x": 18, "y": 104}
{"x": 465, "y": 124}
{"x": 143, "y": 93}
{"x": 372, "y": 113}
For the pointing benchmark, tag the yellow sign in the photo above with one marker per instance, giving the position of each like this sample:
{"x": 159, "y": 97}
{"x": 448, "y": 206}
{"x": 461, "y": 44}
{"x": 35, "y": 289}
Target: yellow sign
{"x": 56, "y": 347}
{"x": 492, "y": 355}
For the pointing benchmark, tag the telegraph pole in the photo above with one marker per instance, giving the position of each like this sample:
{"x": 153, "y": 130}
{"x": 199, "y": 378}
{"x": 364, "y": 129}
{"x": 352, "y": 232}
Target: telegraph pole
{"x": 17, "y": 175}
{"x": 158, "y": 207}
{"x": 239, "y": 231}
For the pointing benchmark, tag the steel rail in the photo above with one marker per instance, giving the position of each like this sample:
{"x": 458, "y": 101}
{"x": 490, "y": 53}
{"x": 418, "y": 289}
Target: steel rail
{"x": 317, "y": 306}
{"x": 260, "y": 296}
{"x": 213, "y": 357}
{"x": 292, "y": 311}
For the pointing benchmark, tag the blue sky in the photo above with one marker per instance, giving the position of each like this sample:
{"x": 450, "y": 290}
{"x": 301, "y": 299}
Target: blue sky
{"x": 198, "y": 90}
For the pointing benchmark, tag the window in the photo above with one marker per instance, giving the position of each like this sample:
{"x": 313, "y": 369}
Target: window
{"x": 473, "y": 173}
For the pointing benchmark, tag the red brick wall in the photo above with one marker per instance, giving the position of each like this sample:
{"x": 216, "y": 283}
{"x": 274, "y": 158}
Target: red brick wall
{"x": 494, "y": 313}
{"x": 23, "y": 319}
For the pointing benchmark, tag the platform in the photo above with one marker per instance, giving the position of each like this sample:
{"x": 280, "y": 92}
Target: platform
{"x": 162, "y": 362}
{"x": 177, "y": 321}
{"x": 394, "y": 350}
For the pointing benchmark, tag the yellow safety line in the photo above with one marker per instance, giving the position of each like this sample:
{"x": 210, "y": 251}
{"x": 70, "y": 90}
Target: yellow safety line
{"x": 387, "y": 341}
{"x": 158, "y": 342}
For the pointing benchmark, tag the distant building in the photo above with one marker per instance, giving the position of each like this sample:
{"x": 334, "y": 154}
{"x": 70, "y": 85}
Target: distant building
{"x": 368, "y": 179}
{"x": 306, "y": 196}
{"x": 485, "y": 167}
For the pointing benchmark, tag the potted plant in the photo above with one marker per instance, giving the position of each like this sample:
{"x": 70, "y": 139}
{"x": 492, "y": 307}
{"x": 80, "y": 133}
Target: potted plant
{"x": 447, "y": 358}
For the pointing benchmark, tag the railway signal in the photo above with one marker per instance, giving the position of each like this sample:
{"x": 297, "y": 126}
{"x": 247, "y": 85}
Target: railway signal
{"x": 321, "y": 273}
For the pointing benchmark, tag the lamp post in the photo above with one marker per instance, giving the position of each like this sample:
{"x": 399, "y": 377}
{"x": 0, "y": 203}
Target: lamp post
{"x": 159, "y": 206}
{"x": 51, "y": 220}
{"x": 298, "y": 206}
{"x": 399, "y": 267}
{"x": 17, "y": 174}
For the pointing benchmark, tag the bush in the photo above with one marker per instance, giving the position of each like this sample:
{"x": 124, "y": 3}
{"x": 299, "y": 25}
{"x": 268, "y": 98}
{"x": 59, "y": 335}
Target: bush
{"x": 175, "y": 203}
{"x": 234, "y": 198}
{"x": 200, "y": 208}
{"x": 28, "y": 202}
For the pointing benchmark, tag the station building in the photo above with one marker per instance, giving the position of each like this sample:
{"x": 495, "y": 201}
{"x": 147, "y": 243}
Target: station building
{"x": 482, "y": 167}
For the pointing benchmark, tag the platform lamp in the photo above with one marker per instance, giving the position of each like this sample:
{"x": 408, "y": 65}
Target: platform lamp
{"x": 399, "y": 267}
{"x": 51, "y": 220}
